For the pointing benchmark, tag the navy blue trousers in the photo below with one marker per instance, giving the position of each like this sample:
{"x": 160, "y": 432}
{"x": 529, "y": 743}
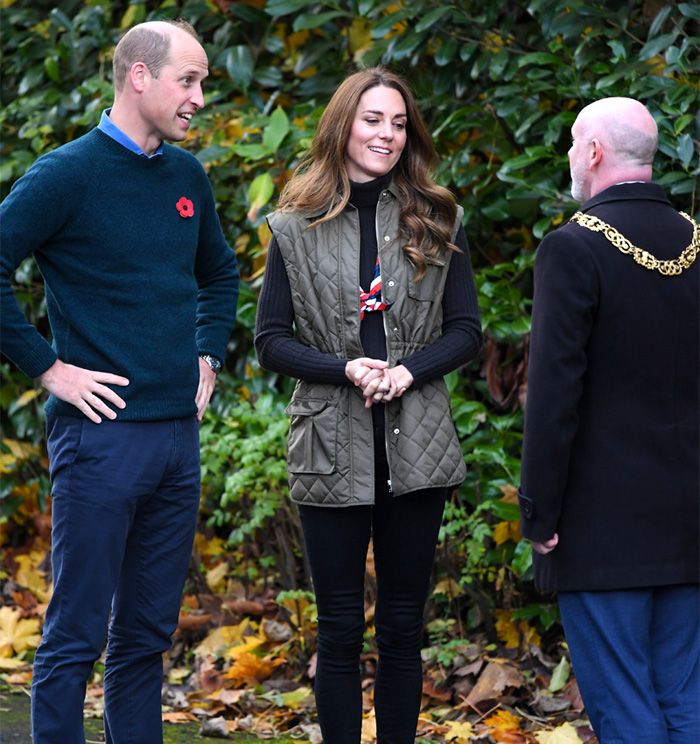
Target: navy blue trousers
{"x": 125, "y": 500}
{"x": 636, "y": 656}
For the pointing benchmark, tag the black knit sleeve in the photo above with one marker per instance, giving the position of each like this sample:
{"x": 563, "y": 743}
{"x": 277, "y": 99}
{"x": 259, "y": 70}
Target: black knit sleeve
{"x": 461, "y": 328}
{"x": 277, "y": 348}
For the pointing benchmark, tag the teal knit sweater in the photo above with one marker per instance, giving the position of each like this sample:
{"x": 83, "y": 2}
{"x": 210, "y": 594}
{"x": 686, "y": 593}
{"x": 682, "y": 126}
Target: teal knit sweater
{"x": 139, "y": 281}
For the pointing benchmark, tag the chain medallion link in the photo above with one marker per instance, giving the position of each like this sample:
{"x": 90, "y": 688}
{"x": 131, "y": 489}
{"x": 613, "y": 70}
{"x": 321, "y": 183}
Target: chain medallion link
{"x": 672, "y": 267}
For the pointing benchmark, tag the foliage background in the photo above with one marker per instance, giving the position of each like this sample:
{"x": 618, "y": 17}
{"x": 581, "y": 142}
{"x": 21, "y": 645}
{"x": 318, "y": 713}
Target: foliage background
{"x": 499, "y": 85}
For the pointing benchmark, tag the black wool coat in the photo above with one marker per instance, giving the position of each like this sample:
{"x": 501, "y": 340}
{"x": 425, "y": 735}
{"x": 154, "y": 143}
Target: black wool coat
{"x": 611, "y": 450}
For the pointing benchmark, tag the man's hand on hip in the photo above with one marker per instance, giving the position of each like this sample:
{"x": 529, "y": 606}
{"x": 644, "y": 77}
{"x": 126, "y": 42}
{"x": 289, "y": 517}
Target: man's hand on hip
{"x": 84, "y": 388}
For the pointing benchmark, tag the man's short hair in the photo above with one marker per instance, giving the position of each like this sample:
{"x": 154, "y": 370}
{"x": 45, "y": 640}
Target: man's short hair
{"x": 145, "y": 43}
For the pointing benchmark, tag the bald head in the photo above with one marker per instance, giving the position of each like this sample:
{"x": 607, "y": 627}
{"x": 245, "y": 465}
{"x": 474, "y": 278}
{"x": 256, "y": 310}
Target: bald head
{"x": 148, "y": 43}
{"x": 624, "y": 127}
{"x": 615, "y": 140}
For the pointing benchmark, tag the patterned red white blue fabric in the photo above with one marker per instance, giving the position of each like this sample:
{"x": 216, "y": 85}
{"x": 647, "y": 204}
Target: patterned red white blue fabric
{"x": 371, "y": 301}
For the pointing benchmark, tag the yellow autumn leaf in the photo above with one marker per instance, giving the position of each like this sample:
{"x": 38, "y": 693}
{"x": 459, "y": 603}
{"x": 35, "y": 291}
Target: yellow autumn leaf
{"x": 16, "y": 634}
{"x": 221, "y": 639}
{"x": 359, "y": 35}
{"x": 296, "y": 39}
{"x": 250, "y": 644}
{"x": 448, "y": 587}
{"x": 369, "y": 729}
{"x": 251, "y": 669}
{"x": 216, "y": 577}
{"x": 502, "y": 721}
{"x": 505, "y": 531}
{"x": 27, "y": 397}
{"x": 564, "y": 734}
{"x": 506, "y": 629}
{"x": 264, "y": 233}
{"x": 21, "y": 450}
{"x": 510, "y": 494}
{"x": 209, "y": 547}
{"x": 530, "y": 636}
{"x": 493, "y": 42}
{"x": 30, "y": 577}
{"x": 459, "y": 732}
{"x": 7, "y": 462}
{"x": 9, "y": 665}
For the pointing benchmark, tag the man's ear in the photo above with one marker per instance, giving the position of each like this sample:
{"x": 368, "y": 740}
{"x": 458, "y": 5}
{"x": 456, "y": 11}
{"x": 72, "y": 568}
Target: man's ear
{"x": 138, "y": 76}
{"x": 596, "y": 154}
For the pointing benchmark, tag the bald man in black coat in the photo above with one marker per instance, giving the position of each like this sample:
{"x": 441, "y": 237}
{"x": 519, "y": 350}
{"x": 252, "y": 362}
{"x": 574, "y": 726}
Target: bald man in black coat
{"x": 611, "y": 474}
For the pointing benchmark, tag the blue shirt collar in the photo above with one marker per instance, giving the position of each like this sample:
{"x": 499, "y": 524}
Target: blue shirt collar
{"x": 113, "y": 131}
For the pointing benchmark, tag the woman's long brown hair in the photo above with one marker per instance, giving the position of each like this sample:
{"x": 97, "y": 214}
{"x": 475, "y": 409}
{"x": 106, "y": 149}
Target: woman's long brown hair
{"x": 320, "y": 184}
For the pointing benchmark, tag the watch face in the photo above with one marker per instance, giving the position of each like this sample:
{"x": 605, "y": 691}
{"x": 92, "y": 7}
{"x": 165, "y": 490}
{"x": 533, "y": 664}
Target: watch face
{"x": 212, "y": 361}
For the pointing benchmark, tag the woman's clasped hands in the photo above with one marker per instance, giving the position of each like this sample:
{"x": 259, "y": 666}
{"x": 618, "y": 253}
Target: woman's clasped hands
{"x": 379, "y": 382}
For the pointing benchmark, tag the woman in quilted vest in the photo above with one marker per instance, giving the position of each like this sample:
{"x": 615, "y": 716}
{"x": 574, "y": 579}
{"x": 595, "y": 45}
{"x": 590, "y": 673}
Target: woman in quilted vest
{"x": 368, "y": 300}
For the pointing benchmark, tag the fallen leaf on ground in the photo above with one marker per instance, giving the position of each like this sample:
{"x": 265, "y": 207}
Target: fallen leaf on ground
{"x": 222, "y": 639}
{"x": 18, "y": 678}
{"x": 503, "y": 721}
{"x": 564, "y": 734}
{"x": 493, "y": 681}
{"x": 216, "y": 578}
{"x": 560, "y": 675}
{"x": 30, "y": 577}
{"x": 179, "y": 716}
{"x": 369, "y": 729}
{"x": 459, "y": 732}
{"x": 16, "y": 634}
{"x": 251, "y": 669}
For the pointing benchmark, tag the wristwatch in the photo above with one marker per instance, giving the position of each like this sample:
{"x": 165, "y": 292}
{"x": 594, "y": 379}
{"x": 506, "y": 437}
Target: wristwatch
{"x": 213, "y": 363}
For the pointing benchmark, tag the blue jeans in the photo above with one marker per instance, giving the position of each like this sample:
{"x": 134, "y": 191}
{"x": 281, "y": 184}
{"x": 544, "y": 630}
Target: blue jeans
{"x": 636, "y": 655}
{"x": 125, "y": 500}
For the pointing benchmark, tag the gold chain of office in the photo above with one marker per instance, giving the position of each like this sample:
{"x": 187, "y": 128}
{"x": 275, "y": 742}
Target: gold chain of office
{"x": 672, "y": 267}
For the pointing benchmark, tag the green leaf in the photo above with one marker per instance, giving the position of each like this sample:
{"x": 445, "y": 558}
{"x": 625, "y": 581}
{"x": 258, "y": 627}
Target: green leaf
{"x": 618, "y": 49}
{"x": 446, "y": 52}
{"x": 657, "y": 45}
{"x": 261, "y": 190}
{"x": 560, "y": 675}
{"x": 685, "y": 149}
{"x": 540, "y": 58}
{"x": 285, "y": 7}
{"x": 33, "y": 77}
{"x": 135, "y": 13}
{"x": 52, "y": 67}
{"x": 314, "y": 20}
{"x": 432, "y": 17}
{"x": 659, "y": 21}
{"x": 522, "y": 557}
{"x": 383, "y": 27}
{"x": 239, "y": 65}
{"x": 690, "y": 10}
{"x": 276, "y": 130}
{"x": 252, "y": 151}
{"x": 682, "y": 122}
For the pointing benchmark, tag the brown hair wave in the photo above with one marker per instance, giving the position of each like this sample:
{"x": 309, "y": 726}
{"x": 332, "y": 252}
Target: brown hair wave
{"x": 320, "y": 184}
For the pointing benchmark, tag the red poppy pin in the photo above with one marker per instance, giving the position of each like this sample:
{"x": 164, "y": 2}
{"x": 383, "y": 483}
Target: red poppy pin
{"x": 185, "y": 207}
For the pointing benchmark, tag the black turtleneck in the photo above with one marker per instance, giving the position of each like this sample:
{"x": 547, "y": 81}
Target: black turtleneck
{"x": 278, "y": 349}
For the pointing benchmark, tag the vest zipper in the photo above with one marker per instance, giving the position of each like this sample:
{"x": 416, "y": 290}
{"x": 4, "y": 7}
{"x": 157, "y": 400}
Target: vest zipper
{"x": 386, "y": 341}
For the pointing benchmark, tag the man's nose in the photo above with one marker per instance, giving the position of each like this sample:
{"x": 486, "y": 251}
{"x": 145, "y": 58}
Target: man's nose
{"x": 197, "y": 97}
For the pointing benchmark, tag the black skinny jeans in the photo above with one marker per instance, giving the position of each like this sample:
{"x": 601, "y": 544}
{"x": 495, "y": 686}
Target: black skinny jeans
{"x": 404, "y": 530}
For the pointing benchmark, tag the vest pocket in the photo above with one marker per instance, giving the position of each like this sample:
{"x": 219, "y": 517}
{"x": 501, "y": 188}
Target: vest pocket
{"x": 312, "y": 437}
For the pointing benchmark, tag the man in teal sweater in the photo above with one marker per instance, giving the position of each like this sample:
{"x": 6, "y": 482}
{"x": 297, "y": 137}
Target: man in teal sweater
{"x": 141, "y": 291}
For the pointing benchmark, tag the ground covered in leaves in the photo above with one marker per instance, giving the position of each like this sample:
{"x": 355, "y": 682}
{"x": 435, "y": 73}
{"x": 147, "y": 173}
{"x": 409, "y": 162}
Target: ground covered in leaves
{"x": 243, "y": 661}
